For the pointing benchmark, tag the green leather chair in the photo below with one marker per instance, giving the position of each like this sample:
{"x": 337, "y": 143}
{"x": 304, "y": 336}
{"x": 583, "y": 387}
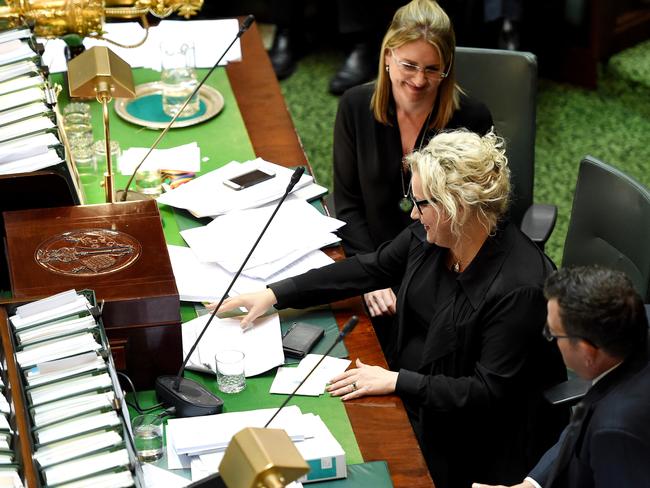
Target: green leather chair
{"x": 506, "y": 81}
{"x": 609, "y": 226}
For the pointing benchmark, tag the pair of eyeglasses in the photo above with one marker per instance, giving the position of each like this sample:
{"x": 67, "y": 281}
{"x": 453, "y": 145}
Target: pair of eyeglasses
{"x": 546, "y": 332}
{"x": 419, "y": 203}
{"x": 412, "y": 69}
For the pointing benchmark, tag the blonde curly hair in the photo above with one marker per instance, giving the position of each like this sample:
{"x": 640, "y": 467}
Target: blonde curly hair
{"x": 462, "y": 172}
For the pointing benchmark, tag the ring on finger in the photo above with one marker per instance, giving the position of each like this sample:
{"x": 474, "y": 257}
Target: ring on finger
{"x": 354, "y": 386}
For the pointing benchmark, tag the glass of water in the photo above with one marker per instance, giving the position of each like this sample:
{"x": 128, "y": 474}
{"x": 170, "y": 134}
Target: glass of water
{"x": 231, "y": 376}
{"x": 178, "y": 78}
{"x": 148, "y": 436}
{"x": 149, "y": 182}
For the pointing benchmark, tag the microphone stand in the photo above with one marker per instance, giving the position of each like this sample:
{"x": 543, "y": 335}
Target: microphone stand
{"x": 188, "y": 396}
{"x": 347, "y": 328}
{"x": 248, "y": 21}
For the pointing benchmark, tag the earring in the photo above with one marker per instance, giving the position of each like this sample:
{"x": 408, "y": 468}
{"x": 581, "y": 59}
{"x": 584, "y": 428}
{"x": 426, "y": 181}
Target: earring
{"x": 387, "y": 69}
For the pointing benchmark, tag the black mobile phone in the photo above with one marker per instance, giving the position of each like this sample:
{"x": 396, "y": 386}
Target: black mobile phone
{"x": 248, "y": 179}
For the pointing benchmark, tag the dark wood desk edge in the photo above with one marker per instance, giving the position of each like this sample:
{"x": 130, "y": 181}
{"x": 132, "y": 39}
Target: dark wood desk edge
{"x": 380, "y": 424}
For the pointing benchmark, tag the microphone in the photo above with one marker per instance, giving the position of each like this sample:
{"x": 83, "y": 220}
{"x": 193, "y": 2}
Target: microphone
{"x": 347, "y": 328}
{"x": 189, "y": 397}
{"x": 248, "y": 21}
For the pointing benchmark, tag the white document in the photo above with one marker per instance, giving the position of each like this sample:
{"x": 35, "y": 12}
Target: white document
{"x": 23, "y": 112}
{"x": 207, "y": 282}
{"x": 261, "y": 344}
{"x": 57, "y": 349}
{"x": 181, "y": 158}
{"x": 297, "y": 226}
{"x": 121, "y": 479}
{"x": 71, "y": 448}
{"x": 62, "y": 389}
{"x": 17, "y": 69}
{"x": 76, "y": 426}
{"x": 207, "y": 195}
{"x": 16, "y": 50}
{"x": 214, "y": 432}
{"x": 53, "y": 307}
{"x": 72, "y": 369}
{"x": 71, "y": 407}
{"x": 175, "y": 460}
{"x": 287, "y": 379}
{"x": 22, "y": 97}
{"x": 155, "y": 477}
{"x": 32, "y": 163}
{"x": 87, "y": 466}
{"x": 49, "y": 331}
{"x": 20, "y": 83}
{"x": 33, "y": 124}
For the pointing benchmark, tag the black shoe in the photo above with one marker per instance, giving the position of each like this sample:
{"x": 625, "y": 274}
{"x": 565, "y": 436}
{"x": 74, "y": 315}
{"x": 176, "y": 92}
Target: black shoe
{"x": 359, "y": 67}
{"x": 282, "y": 55}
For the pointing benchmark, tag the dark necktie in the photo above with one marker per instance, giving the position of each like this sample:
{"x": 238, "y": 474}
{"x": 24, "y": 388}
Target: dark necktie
{"x": 568, "y": 446}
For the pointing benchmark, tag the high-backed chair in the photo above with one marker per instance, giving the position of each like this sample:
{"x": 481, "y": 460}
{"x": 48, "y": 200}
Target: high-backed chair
{"x": 506, "y": 81}
{"x": 610, "y": 223}
{"x": 609, "y": 226}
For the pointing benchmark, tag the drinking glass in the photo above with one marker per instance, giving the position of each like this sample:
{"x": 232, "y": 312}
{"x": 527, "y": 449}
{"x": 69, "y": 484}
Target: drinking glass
{"x": 231, "y": 376}
{"x": 99, "y": 154}
{"x": 148, "y": 436}
{"x": 178, "y": 78}
{"x": 148, "y": 182}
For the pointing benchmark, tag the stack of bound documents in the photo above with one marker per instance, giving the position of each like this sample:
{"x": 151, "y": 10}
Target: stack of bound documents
{"x": 28, "y": 132}
{"x": 75, "y": 403}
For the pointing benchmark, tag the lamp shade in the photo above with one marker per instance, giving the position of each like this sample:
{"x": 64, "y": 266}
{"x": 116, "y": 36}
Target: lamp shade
{"x": 99, "y": 69}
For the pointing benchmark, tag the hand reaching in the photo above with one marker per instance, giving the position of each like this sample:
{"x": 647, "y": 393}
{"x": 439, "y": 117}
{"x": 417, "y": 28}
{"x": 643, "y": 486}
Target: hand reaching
{"x": 256, "y": 303}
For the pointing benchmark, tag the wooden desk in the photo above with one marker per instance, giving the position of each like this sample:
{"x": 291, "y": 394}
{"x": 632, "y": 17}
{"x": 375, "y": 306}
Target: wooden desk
{"x": 380, "y": 423}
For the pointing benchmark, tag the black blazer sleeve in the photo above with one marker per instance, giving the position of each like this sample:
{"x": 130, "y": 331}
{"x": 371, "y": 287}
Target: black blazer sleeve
{"x": 351, "y": 277}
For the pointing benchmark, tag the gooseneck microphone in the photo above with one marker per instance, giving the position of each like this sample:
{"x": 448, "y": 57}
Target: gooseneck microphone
{"x": 188, "y": 396}
{"x": 248, "y": 21}
{"x": 347, "y": 328}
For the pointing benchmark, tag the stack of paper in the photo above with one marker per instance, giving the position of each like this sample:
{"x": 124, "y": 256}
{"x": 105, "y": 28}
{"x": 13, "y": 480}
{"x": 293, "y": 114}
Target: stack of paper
{"x": 207, "y": 282}
{"x": 181, "y": 158}
{"x": 190, "y": 443}
{"x": 261, "y": 344}
{"x": 290, "y": 246}
{"x": 207, "y": 196}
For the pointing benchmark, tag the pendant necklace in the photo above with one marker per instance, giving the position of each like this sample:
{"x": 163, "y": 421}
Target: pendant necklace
{"x": 405, "y": 203}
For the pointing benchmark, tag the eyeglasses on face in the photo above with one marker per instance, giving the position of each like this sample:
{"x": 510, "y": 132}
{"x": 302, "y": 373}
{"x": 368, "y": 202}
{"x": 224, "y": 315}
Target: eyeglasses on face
{"x": 546, "y": 332}
{"x": 419, "y": 203}
{"x": 412, "y": 69}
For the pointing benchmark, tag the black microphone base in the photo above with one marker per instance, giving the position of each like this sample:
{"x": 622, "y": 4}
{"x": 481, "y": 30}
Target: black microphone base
{"x": 212, "y": 481}
{"x": 191, "y": 399}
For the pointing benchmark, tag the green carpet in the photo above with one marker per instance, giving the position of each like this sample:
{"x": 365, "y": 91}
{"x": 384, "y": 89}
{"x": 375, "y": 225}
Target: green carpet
{"x": 611, "y": 123}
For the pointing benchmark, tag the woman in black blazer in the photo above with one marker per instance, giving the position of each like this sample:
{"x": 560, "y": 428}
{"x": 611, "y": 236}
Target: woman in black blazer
{"x": 466, "y": 353}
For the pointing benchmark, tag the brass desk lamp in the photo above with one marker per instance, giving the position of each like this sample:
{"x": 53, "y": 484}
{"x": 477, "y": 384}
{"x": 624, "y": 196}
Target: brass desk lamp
{"x": 100, "y": 73}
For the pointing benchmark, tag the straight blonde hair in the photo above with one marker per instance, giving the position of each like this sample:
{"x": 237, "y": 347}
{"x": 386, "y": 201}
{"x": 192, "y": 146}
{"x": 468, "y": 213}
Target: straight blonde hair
{"x": 420, "y": 19}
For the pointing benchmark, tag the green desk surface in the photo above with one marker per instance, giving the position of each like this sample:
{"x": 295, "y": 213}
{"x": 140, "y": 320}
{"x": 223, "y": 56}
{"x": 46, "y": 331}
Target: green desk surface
{"x": 221, "y": 139}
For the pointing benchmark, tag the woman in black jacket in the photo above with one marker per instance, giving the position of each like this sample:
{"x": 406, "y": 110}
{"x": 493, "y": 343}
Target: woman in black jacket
{"x": 414, "y": 97}
{"x": 466, "y": 353}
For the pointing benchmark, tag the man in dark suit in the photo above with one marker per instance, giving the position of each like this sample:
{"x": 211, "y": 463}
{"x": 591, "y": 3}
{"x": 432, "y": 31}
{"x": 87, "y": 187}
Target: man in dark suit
{"x": 599, "y": 323}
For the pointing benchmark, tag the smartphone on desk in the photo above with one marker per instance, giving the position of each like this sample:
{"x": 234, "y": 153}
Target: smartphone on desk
{"x": 248, "y": 179}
